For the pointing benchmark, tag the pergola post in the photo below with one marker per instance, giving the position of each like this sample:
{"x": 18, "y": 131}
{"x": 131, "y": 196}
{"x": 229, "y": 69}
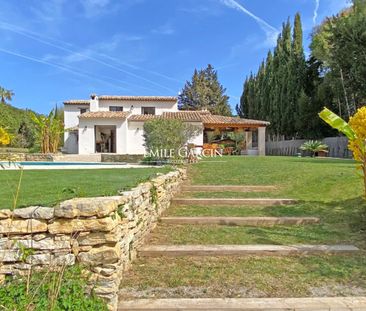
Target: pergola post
{"x": 249, "y": 139}
{"x": 261, "y": 141}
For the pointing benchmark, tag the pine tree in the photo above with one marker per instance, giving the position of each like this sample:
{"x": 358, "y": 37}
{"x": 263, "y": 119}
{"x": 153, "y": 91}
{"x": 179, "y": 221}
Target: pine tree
{"x": 204, "y": 91}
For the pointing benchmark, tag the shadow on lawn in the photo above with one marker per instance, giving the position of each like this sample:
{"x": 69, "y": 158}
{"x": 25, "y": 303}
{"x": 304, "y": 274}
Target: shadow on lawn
{"x": 346, "y": 162}
{"x": 337, "y": 218}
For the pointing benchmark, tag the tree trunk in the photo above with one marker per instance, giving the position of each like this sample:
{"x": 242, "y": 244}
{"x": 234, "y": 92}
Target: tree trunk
{"x": 345, "y": 94}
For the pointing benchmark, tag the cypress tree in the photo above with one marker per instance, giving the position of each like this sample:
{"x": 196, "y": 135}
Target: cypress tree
{"x": 273, "y": 93}
{"x": 298, "y": 69}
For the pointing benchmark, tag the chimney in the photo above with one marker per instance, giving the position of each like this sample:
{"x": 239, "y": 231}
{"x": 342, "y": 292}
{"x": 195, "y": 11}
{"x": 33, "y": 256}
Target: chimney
{"x": 94, "y": 102}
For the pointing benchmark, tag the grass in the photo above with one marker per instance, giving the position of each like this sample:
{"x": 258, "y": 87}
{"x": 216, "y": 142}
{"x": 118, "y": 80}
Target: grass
{"x": 341, "y": 222}
{"x": 48, "y": 187}
{"x": 246, "y": 277}
{"x": 231, "y": 194}
{"x": 349, "y": 211}
{"x": 301, "y": 178}
{"x": 280, "y": 235}
{"x": 325, "y": 188}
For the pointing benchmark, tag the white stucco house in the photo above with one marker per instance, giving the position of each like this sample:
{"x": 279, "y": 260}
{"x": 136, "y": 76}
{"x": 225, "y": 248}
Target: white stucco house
{"x": 114, "y": 124}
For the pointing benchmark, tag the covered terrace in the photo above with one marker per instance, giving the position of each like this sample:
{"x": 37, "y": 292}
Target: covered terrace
{"x": 234, "y": 135}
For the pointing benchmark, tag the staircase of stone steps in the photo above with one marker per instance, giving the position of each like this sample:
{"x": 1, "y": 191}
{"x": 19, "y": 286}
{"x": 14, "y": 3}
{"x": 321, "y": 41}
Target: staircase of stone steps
{"x": 247, "y": 304}
{"x": 233, "y": 202}
{"x": 240, "y": 221}
{"x": 244, "y": 250}
{"x": 222, "y": 188}
{"x": 260, "y": 250}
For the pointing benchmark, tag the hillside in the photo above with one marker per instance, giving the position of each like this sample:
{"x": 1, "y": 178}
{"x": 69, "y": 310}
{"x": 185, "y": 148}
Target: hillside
{"x": 19, "y": 124}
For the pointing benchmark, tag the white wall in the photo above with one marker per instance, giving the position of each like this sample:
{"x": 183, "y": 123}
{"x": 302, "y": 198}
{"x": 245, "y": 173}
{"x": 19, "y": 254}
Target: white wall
{"x": 71, "y": 144}
{"x": 135, "y": 139}
{"x": 198, "y": 140}
{"x": 87, "y": 134}
{"x": 160, "y": 107}
{"x": 129, "y": 139}
{"x": 71, "y": 113}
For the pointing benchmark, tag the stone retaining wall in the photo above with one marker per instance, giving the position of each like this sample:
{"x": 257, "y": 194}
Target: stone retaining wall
{"x": 101, "y": 233}
{"x": 40, "y": 157}
{"x": 129, "y": 158}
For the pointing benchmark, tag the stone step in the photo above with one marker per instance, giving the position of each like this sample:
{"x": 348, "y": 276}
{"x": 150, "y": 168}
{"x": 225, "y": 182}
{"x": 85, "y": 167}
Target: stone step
{"x": 247, "y": 304}
{"x": 233, "y": 201}
{"x": 243, "y": 250}
{"x": 220, "y": 188}
{"x": 240, "y": 221}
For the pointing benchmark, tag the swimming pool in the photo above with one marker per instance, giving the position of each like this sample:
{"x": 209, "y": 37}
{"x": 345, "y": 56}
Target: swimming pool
{"x": 27, "y": 163}
{"x": 30, "y": 165}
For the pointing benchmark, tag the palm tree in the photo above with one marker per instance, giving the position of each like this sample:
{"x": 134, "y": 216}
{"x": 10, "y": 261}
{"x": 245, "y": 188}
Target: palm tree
{"x": 314, "y": 146}
{"x": 5, "y": 95}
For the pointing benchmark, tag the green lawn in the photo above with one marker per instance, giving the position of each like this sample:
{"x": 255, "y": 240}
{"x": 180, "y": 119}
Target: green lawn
{"x": 301, "y": 178}
{"x": 193, "y": 277}
{"x": 329, "y": 189}
{"x": 48, "y": 187}
{"x": 326, "y": 188}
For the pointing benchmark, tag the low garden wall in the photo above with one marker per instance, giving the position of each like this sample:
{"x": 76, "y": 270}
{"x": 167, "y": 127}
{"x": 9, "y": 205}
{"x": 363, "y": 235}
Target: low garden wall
{"x": 102, "y": 233}
{"x": 129, "y": 158}
{"x": 15, "y": 157}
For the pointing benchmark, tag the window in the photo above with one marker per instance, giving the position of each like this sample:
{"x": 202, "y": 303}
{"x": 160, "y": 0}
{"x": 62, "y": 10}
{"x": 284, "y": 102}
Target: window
{"x": 115, "y": 108}
{"x": 147, "y": 110}
{"x": 83, "y": 110}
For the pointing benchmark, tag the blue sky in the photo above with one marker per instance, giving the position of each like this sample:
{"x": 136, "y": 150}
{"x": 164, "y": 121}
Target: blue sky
{"x": 54, "y": 50}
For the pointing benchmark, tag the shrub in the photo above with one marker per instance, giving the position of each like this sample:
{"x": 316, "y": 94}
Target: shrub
{"x": 4, "y": 137}
{"x": 49, "y": 129}
{"x": 48, "y": 291}
{"x": 164, "y": 135}
{"x": 314, "y": 146}
{"x": 355, "y": 131}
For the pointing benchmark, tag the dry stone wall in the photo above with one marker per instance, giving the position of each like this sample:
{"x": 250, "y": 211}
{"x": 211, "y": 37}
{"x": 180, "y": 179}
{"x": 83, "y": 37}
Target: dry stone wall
{"x": 102, "y": 233}
{"x": 38, "y": 157}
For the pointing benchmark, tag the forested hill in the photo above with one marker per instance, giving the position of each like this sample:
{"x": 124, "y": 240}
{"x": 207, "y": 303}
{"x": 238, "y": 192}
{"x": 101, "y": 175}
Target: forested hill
{"x": 18, "y": 123}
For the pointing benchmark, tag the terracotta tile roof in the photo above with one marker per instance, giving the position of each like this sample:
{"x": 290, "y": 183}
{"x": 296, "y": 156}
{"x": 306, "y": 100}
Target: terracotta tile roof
{"x": 139, "y": 98}
{"x": 189, "y": 116}
{"x": 77, "y": 102}
{"x": 216, "y": 119}
{"x": 143, "y": 117}
{"x": 200, "y": 116}
{"x": 117, "y": 97}
{"x": 105, "y": 115}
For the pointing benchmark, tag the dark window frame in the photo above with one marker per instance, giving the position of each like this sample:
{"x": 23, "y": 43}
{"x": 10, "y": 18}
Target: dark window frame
{"x": 115, "y": 108}
{"x": 144, "y": 112}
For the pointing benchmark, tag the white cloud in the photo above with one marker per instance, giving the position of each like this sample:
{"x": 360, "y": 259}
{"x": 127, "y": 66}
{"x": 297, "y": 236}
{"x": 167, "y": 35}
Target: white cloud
{"x": 49, "y": 11}
{"x": 166, "y": 29}
{"x": 92, "y": 52}
{"x": 271, "y": 31}
{"x": 315, "y": 15}
{"x": 94, "y": 7}
{"x": 201, "y": 10}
